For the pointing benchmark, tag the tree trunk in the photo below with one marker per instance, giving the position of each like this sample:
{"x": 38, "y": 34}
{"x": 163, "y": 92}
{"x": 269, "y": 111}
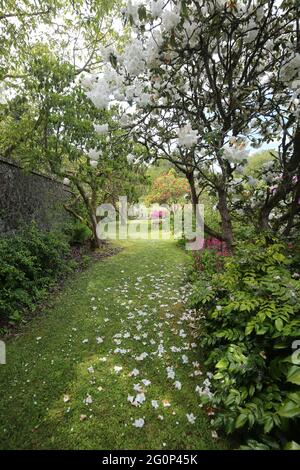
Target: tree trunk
{"x": 95, "y": 242}
{"x": 226, "y": 224}
{"x": 194, "y": 195}
{"x": 195, "y": 201}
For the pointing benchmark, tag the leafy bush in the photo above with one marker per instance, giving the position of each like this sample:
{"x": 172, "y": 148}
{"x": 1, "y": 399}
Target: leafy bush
{"x": 77, "y": 233}
{"x": 250, "y": 322}
{"x": 210, "y": 259}
{"x": 31, "y": 261}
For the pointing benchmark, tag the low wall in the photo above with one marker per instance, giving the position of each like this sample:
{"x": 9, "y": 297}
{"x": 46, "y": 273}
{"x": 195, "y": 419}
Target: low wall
{"x": 27, "y": 197}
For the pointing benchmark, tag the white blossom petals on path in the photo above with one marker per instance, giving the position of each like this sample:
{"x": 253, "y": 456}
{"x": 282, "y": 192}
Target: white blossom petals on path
{"x": 134, "y": 370}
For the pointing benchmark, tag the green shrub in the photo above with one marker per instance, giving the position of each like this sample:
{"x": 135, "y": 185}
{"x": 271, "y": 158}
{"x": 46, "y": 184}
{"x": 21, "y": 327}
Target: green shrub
{"x": 31, "y": 261}
{"x": 250, "y": 322}
{"x": 77, "y": 233}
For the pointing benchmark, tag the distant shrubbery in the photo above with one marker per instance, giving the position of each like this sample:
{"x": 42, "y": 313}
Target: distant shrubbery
{"x": 251, "y": 322}
{"x": 31, "y": 262}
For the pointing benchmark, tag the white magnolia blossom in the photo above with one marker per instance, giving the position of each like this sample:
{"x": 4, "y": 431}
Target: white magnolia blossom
{"x": 134, "y": 58}
{"x": 251, "y": 32}
{"x": 190, "y": 29}
{"x": 106, "y": 53}
{"x": 187, "y": 137}
{"x": 156, "y": 8}
{"x": 88, "y": 82}
{"x": 151, "y": 53}
{"x": 145, "y": 99}
{"x": 100, "y": 94}
{"x": 235, "y": 153}
{"x": 170, "y": 19}
{"x": 132, "y": 10}
{"x": 114, "y": 80}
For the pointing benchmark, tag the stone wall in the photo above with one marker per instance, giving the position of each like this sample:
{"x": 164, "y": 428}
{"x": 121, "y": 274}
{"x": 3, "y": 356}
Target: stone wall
{"x": 27, "y": 197}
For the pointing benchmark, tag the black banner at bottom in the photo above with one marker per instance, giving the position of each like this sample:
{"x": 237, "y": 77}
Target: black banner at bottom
{"x": 135, "y": 459}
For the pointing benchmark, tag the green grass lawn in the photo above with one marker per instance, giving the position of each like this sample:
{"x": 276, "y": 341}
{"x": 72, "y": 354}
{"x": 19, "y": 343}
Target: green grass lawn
{"x": 134, "y": 302}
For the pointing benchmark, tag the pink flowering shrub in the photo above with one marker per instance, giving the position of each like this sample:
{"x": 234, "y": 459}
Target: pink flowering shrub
{"x": 210, "y": 258}
{"x": 159, "y": 214}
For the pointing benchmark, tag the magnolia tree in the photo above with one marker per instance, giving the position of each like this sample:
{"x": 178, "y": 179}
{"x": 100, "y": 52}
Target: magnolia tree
{"x": 101, "y": 174}
{"x": 206, "y": 80}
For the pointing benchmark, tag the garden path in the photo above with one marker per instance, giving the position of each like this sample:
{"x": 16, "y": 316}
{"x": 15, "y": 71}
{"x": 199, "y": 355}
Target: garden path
{"x": 113, "y": 364}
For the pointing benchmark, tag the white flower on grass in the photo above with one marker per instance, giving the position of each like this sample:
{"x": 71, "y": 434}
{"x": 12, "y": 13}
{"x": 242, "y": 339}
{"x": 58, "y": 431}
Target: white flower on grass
{"x": 178, "y": 385}
{"x": 191, "y": 418}
{"x": 170, "y": 373}
{"x": 85, "y": 341}
{"x": 155, "y": 404}
{"x": 140, "y": 398}
{"x": 99, "y": 340}
{"x": 137, "y": 387}
{"x": 142, "y": 356}
{"x": 134, "y": 373}
{"x": 185, "y": 359}
{"x": 66, "y": 181}
{"x": 139, "y": 423}
{"x": 146, "y": 382}
{"x": 130, "y": 398}
{"x": 88, "y": 400}
{"x": 117, "y": 369}
{"x": 91, "y": 370}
